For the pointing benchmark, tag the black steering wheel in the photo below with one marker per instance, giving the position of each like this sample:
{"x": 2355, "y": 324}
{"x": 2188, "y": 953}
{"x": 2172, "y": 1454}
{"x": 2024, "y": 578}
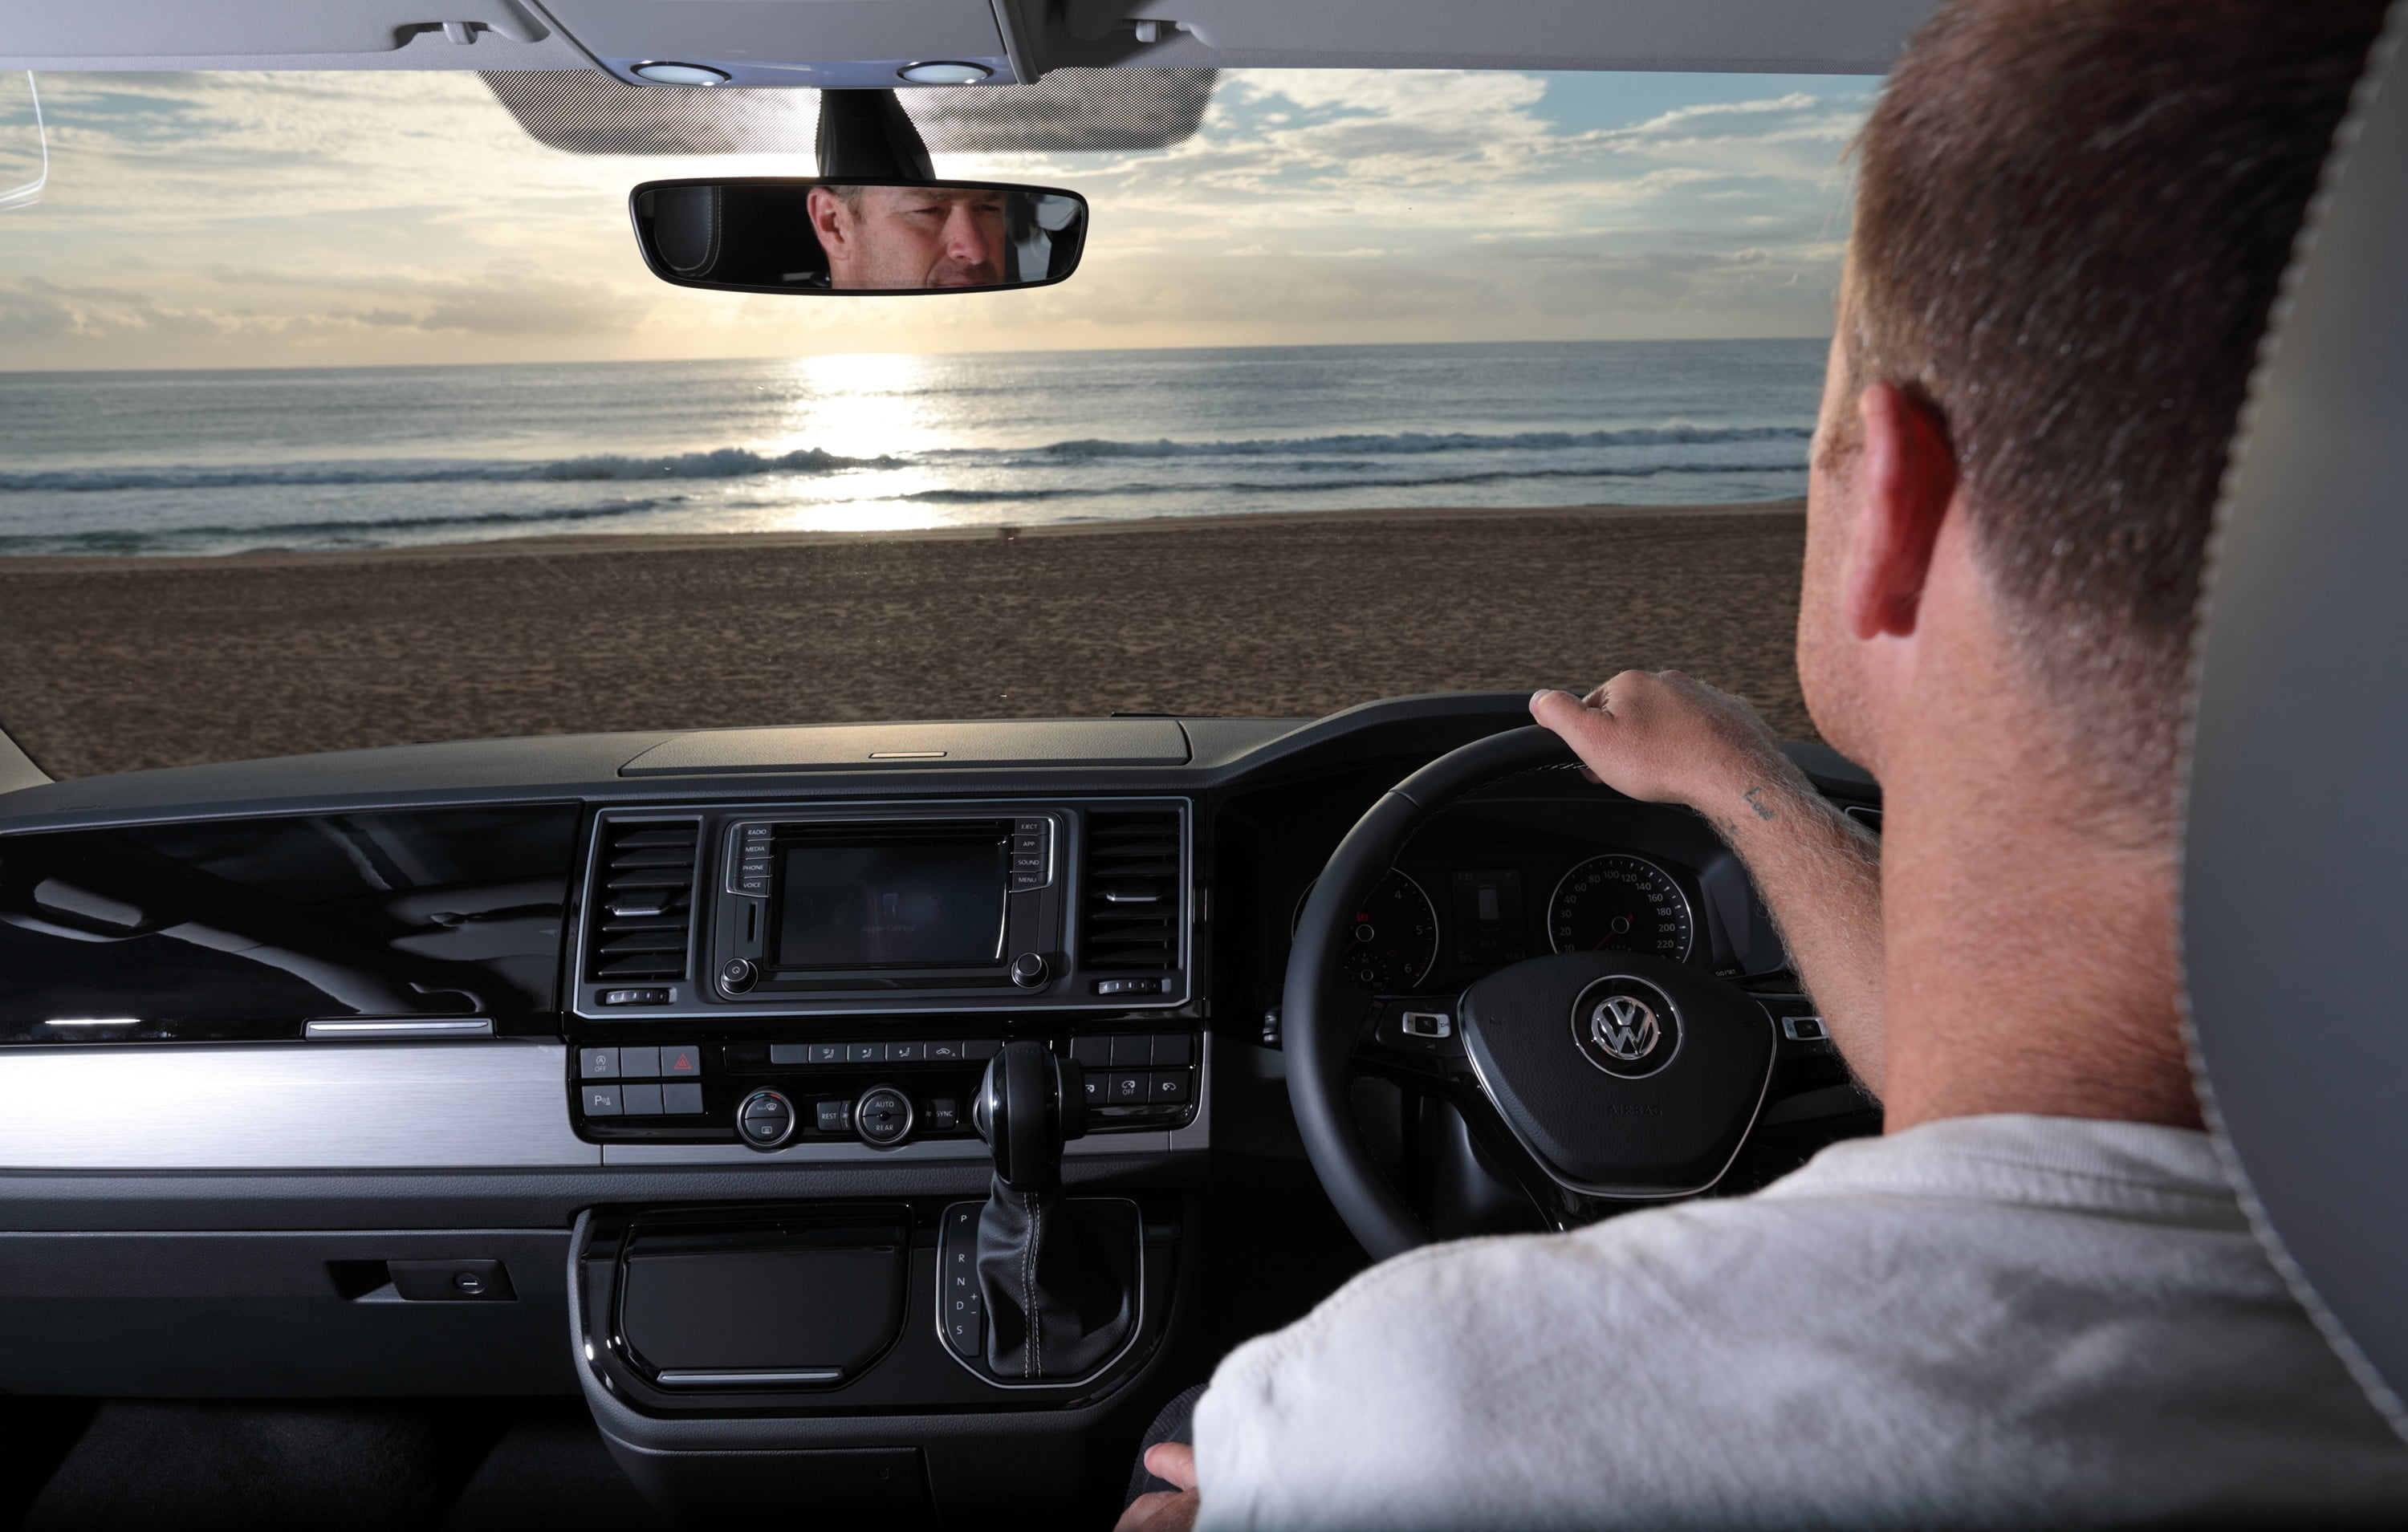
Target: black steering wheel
{"x": 1598, "y": 1077}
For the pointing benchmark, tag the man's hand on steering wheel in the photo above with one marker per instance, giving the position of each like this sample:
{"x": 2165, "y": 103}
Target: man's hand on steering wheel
{"x": 1664, "y": 737}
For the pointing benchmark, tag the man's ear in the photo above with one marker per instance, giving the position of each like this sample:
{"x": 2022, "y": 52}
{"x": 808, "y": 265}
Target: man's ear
{"x": 821, "y": 207}
{"x": 1906, "y": 476}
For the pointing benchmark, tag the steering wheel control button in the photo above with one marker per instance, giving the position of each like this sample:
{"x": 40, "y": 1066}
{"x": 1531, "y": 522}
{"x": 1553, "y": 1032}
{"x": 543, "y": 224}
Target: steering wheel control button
{"x": 765, "y": 1120}
{"x": 834, "y": 1117}
{"x": 736, "y": 975}
{"x": 1805, "y": 1029}
{"x": 883, "y": 1116}
{"x": 1030, "y": 970}
{"x": 597, "y": 1064}
{"x": 1625, "y": 1026}
{"x": 601, "y": 1100}
{"x": 682, "y": 1100}
{"x": 1426, "y": 1023}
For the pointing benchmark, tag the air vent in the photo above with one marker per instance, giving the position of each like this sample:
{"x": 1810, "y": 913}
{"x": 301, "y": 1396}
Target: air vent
{"x": 1132, "y": 888}
{"x": 642, "y": 923}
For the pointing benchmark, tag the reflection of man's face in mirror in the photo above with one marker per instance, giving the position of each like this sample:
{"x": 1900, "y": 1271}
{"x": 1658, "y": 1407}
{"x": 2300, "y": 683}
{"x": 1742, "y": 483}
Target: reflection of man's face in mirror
{"x": 905, "y": 236}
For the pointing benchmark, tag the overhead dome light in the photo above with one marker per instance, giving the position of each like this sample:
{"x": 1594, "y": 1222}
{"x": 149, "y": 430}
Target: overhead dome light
{"x": 944, "y": 72}
{"x": 681, "y": 74}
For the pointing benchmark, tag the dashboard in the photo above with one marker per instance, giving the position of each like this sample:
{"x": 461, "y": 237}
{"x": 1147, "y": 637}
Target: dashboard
{"x": 498, "y": 1066}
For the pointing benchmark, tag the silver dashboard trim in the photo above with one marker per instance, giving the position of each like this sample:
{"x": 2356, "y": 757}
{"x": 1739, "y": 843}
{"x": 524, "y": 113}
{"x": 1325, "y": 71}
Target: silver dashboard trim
{"x": 396, "y": 1030}
{"x": 480, "y": 1104}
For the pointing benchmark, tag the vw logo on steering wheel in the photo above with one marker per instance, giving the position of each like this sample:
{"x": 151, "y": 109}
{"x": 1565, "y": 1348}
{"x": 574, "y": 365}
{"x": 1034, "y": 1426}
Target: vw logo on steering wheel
{"x": 1625, "y": 1026}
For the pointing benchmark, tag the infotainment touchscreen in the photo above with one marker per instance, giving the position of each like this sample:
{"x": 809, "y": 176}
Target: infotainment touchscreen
{"x": 916, "y": 901}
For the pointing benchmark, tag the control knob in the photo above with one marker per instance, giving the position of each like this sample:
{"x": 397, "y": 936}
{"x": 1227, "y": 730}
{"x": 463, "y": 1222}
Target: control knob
{"x": 1030, "y": 970}
{"x": 883, "y": 1116}
{"x": 765, "y": 1120}
{"x": 736, "y": 976}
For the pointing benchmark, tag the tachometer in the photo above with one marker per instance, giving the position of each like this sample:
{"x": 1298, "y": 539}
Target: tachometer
{"x": 1621, "y": 904}
{"x": 1395, "y": 934}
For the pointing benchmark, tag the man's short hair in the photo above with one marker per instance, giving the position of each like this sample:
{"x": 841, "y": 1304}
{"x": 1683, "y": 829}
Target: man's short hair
{"x": 2072, "y": 218}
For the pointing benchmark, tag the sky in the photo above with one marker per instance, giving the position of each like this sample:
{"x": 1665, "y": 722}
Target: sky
{"x": 377, "y": 218}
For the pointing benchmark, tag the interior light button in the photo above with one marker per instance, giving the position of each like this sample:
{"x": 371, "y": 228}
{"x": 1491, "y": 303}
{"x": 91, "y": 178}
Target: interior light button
{"x": 944, "y": 72}
{"x": 680, "y": 74}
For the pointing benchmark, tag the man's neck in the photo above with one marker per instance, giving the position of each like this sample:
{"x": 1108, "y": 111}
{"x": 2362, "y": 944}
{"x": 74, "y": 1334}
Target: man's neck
{"x": 2029, "y": 955}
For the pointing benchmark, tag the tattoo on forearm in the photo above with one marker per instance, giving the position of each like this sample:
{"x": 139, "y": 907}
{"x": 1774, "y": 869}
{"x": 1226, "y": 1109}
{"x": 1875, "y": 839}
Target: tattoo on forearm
{"x": 1763, "y": 809}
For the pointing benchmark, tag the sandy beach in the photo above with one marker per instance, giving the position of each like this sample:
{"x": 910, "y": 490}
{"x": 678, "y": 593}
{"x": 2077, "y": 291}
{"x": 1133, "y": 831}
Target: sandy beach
{"x": 118, "y": 664}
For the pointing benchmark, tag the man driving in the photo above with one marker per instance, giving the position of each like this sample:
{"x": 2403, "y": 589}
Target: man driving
{"x": 2035, "y": 1299}
{"x": 899, "y": 238}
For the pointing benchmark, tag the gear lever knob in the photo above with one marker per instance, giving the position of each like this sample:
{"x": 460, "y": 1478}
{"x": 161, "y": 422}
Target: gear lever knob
{"x": 1030, "y": 1104}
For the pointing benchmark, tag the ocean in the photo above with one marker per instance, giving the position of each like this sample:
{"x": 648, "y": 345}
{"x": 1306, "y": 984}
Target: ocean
{"x": 200, "y": 463}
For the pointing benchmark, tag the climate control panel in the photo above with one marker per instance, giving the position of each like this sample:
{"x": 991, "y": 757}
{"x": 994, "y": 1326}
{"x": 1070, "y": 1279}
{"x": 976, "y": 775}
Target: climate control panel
{"x": 769, "y": 1094}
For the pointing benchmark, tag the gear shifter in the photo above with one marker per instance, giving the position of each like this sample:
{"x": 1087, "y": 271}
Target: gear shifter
{"x": 1058, "y": 1275}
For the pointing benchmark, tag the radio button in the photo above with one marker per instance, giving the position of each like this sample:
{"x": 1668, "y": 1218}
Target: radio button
{"x": 597, "y": 1064}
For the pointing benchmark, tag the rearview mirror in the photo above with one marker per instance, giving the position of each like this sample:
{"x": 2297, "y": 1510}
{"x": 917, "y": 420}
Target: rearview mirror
{"x": 773, "y": 234}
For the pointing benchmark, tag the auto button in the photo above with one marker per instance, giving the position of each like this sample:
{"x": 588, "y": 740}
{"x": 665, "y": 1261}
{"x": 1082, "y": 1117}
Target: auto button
{"x": 883, "y": 1116}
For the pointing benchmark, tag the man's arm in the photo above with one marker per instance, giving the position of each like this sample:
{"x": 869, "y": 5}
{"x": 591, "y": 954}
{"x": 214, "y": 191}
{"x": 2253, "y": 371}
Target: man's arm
{"x": 1666, "y": 739}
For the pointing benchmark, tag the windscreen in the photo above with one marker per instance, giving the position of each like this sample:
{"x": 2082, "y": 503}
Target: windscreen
{"x": 1379, "y": 383}
{"x": 913, "y": 903}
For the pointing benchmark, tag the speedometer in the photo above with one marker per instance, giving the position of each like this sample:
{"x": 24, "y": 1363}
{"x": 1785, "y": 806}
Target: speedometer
{"x": 1392, "y": 941}
{"x": 1621, "y": 904}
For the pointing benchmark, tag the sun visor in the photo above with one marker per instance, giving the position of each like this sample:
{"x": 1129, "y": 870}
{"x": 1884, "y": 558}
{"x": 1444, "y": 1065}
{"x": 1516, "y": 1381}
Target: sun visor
{"x": 880, "y": 747}
{"x": 586, "y": 111}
